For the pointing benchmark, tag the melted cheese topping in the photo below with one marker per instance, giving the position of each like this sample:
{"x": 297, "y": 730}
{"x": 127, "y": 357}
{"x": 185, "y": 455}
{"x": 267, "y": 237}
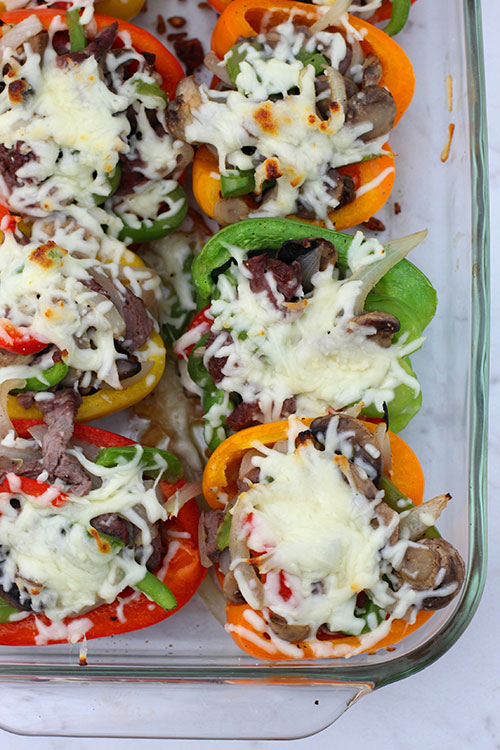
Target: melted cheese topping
{"x": 42, "y": 288}
{"x": 301, "y": 145}
{"x": 276, "y": 353}
{"x": 74, "y": 124}
{"x": 313, "y": 538}
{"x": 56, "y": 562}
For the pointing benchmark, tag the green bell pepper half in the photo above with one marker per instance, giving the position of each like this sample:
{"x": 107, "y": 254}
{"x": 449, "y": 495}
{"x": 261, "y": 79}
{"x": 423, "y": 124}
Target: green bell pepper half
{"x": 150, "y": 461}
{"x": 404, "y": 290}
{"x": 153, "y": 230}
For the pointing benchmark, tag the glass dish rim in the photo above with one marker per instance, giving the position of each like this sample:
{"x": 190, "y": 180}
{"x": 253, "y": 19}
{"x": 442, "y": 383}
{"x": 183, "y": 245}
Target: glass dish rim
{"x": 424, "y": 655}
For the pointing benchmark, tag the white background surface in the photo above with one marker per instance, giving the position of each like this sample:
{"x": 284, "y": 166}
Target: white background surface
{"x": 454, "y": 703}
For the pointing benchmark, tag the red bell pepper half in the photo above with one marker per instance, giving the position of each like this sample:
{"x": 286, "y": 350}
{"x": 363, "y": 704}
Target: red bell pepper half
{"x": 165, "y": 63}
{"x": 182, "y": 573}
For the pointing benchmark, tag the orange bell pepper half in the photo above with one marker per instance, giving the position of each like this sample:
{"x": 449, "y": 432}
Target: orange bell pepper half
{"x": 243, "y": 623}
{"x": 245, "y": 18}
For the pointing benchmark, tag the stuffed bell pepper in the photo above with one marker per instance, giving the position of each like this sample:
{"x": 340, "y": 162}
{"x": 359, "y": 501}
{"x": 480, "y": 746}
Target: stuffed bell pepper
{"x": 299, "y": 124}
{"x": 124, "y": 9}
{"x": 77, "y": 334}
{"x": 299, "y": 319}
{"x": 318, "y": 548}
{"x": 396, "y": 11}
{"x": 82, "y": 124}
{"x": 98, "y": 535}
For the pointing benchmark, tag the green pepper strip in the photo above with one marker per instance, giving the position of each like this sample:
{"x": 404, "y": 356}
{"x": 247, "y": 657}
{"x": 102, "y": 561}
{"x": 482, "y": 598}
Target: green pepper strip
{"x": 150, "y": 585}
{"x": 50, "y": 377}
{"x": 113, "y": 181}
{"x": 157, "y": 591}
{"x": 316, "y": 59}
{"x": 237, "y": 182}
{"x": 211, "y": 394}
{"x": 150, "y": 460}
{"x": 144, "y": 88}
{"x": 157, "y": 228}
{"x": 399, "y": 16}
{"x": 399, "y": 502}
{"x": 222, "y": 535}
{"x": 77, "y": 38}
{"x": 404, "y": 291}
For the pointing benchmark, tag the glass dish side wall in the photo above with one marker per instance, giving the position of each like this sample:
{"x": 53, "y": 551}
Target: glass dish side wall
{"x": 191, "y": 653}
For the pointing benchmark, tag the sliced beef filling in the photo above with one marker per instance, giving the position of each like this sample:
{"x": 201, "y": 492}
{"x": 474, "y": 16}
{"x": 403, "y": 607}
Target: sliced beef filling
{"x": 287, "y": 277}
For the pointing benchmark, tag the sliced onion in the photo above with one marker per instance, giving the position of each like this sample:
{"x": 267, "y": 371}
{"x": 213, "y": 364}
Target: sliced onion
{"x": 370, "y": 274}
{"x": 213, "y": 63}
{"x": 358, "y": 57}
{"x": 145, "y": 368}
{"x": 20, "y": 33}
{"x": 381, "y": 440}
{"x": 246, "y": 464}
{"x": 185, "y": 493}
{"x": 337, "y": 94}
{"x": 332, "y": 15}
{"x": 8, "y": 385}
{"x": 248, "y": 581}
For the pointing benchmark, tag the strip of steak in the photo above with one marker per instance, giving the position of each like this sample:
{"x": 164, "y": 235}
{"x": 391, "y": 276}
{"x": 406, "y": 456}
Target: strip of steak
{"x": 288, "y": 277}
{"x": 59, "y": 414}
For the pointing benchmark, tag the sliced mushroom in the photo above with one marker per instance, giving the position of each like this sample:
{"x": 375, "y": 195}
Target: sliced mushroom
{"x": 359, "y": 437}
{"x": 340, "y": 187}
{"x": 291, "y": 633}
{"x": 414, "y": 525}
{"x": 372, "y": 71}
{"x": 433, "y": 565}
{"x": 373, "y": 105}
{"x": 207, "y": 536}
{"x": 358, "y": 481}
{"x": 179, "y": 111}
{"x": 231, "y": 590}
{"x": 386, "y": 516}
{"x": 230, "y": 210}
{"x": 385, "y": 324}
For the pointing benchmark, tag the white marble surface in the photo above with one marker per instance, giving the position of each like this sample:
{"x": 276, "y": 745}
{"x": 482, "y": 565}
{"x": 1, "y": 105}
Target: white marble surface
{"x": 455, "y": 702}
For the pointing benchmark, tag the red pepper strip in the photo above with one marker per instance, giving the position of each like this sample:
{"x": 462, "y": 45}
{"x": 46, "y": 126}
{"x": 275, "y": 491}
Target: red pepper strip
{"x": 220, "y": 476}
{"x": 165, "y": 63}
{"x": 32, "y": 488}
{"x": 19, "y": 340}
{"x": 182, "y": 574}
{"x": 202, "y": 323}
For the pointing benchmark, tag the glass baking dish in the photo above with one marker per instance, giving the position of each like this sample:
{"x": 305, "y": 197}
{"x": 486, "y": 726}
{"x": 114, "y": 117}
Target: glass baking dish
{"x": 146, "y": 684}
